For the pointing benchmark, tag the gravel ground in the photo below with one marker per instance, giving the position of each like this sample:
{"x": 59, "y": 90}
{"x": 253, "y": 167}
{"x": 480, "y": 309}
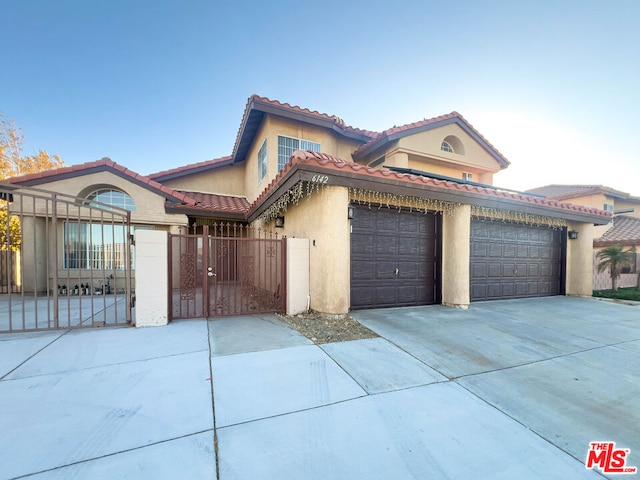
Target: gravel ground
{"x": 322, "y": 328}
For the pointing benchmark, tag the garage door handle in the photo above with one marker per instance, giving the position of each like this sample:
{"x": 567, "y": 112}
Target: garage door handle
{"x": 397, "y": 271}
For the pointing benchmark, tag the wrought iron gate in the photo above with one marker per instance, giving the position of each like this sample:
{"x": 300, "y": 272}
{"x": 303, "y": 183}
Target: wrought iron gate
{"x": 226, "y": 270}
{"x": 65, "y": 262}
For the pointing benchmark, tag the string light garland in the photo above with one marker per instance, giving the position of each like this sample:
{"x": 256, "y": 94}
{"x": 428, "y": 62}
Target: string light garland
{"x": 392, "y": 201}
{"x": 509, "y": 216}
{"x": 372, "y": 198}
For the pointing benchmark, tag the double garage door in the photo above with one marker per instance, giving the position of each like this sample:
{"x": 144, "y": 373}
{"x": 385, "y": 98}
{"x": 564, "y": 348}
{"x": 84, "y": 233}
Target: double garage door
{"x": 514, "y": 261}
{"x": 395, "y": 258}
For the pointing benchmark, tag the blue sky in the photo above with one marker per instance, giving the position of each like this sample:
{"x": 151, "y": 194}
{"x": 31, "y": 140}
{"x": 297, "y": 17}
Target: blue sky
{"x": 155, "y": 84}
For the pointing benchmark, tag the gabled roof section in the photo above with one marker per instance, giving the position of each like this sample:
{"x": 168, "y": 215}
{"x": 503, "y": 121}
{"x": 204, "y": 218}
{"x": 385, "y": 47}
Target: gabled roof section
{"x": 562, "y": 192}
{"x": 303, "y": 164}
{"x": 396, "y": 133}
{"x": 103, "y": 165}
{"x": 257, "y": 107}
{"x": 625, "y": 231}
{"x": 190, "y": 169}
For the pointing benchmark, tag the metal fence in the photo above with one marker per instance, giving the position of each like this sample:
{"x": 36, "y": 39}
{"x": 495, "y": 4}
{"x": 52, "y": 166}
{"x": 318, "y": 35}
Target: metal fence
{"x": 226, "y": 270}
{"x": 65, "y": 262}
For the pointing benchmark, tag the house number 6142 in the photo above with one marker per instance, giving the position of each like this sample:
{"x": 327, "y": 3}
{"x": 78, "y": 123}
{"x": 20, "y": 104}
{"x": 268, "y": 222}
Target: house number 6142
{"x": 321, "y": 179}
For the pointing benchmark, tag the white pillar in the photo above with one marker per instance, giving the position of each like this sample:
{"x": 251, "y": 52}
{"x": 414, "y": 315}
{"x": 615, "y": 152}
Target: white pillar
{"x": 297, "y": 275}
{"x": 152, "y": 278}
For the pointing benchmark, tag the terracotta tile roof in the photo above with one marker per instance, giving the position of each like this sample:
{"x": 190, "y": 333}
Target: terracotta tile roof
{"x": 190, "y": 169}
{"x": 300, "y": 158}
{"x": 572, "y": 191}
{"x": 257, "y": 106}
{"x": 396, "y": 133}
{"x": 625, "y": 230}
{"x": 105, "y": 164}
{"x": 222, "y": 203}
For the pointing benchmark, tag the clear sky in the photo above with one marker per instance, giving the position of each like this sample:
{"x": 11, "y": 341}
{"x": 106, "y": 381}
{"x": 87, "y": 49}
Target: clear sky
{"x": 154, "y": 84}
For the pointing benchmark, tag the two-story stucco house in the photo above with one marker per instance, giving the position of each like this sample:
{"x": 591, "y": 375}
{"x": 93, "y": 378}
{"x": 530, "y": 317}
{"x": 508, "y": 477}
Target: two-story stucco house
{"x": 407, "y": 216}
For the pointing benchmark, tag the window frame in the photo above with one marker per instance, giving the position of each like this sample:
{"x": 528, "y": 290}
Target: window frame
{"x": 448, "y": 149}
{"x": 262, "y": 161}
{"x": 126, "y": 204}
{"x": 302, "y": 144}
{"x": 467, "y": 176}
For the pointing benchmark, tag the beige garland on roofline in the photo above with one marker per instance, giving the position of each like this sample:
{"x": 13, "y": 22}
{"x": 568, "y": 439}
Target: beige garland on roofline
{"x": 510, "y": 216}
{"x": 392, "y": 201}
{"x": 400, "y": 202}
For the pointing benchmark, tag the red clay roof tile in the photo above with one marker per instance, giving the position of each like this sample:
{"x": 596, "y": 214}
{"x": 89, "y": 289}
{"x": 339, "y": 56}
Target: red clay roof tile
{"x": 103, "y": 164}
{"x": 212, "y": 201}
{"x": 300, "y": 157}
{"x": 398, "y": 132}
{"x": 625, "y": 230}
{"x": 191, "y": 168}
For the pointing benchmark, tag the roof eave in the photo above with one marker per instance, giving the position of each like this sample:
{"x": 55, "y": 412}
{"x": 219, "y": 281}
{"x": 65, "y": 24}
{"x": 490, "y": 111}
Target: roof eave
{"x": 305, "y": 172}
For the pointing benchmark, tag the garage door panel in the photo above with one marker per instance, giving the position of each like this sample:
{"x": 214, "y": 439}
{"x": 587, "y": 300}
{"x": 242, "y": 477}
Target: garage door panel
{"x": 361, "y": 270}
{"x": 385, "y": 270}
{"x": 508, "y": 250}
{"x": 528, "y": 265}
{"x": 408, "y": 246}
{"x": 479, "y": 249}
{"x": 385, "y": 245}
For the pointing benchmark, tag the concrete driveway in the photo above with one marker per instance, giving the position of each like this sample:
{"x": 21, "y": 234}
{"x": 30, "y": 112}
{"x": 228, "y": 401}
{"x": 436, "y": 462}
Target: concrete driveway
{"x": 508, "y": 389}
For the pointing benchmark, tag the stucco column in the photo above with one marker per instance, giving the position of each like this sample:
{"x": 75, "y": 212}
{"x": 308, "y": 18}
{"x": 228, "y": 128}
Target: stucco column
{"x": 152, "y": 278}
{"x": 580, "y": 261}
{"x": 456, "y": 250}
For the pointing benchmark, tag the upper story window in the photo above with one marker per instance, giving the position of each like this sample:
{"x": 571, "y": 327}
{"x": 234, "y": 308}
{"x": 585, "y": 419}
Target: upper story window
{"x": 452, "y": 144}
{"x": 608, "y": 207}
{"x": 288, "y": 145}
{"x": 262, "y": 161}
{"x": 467, "y": 176}
{"x": 445, "y": 147}
{"x": 113, "y": 197}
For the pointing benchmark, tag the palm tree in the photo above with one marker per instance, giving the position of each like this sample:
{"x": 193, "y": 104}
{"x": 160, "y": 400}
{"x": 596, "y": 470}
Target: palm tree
{"x": 614, "y": 258}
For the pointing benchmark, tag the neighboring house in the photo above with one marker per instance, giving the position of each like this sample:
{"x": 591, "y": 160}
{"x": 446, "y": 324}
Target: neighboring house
{"x": 624, "y": 228}
{"x": 408, "y": 216}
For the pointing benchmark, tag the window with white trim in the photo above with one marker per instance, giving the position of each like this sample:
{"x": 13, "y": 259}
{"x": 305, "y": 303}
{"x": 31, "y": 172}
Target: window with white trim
{"x": 467, "y": 176}
{"x": 111, "y": 196}
{"x": 262, "y": 161}
{"x": 445, "y": 147}
{"x": 99, "y": 246}
{"x": 288, "y": 145}
{"x": 608, "y": 207}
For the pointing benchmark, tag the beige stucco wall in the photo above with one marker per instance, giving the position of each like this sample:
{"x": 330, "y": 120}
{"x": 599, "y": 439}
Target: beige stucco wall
{"x": 228, "y": 180}
{"x": 456, "y": 251}
{"x": 322, "y": 219}
{"x": 580, "y": 261}
{"x": 149, "y": 205}
{"x": 429, "y": 143}
{"x": 270, "y": 128}
{"x": 627, "y": 205}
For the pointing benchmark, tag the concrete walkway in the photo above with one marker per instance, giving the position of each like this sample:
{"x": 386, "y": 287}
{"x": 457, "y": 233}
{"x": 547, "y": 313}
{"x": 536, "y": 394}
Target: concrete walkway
{"x": 509, "y": 389}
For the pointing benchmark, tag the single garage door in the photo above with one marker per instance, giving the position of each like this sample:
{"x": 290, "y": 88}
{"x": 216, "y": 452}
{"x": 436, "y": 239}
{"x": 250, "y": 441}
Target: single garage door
{"x": 514, "y": 261}
{"x": 393, "y": 258}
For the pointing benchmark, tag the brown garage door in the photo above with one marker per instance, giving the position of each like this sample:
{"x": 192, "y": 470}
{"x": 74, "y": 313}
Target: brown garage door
{"x": 393, "y": 258}
{"x": 514, "y": 261}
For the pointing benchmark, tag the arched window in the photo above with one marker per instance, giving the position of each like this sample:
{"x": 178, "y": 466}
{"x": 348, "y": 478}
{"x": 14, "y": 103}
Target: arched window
{"x": 113, "y": 197}
{"x": 452, "y": 144}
